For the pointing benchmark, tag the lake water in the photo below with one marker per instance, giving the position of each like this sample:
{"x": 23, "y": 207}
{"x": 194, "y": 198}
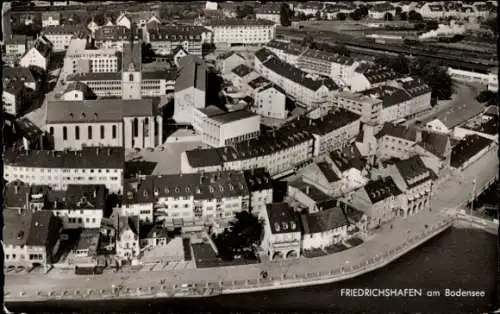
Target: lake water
{"x": 458, "y": 258}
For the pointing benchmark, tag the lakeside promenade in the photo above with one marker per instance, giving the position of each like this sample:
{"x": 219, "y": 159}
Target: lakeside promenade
{"x": 452, "y": 193}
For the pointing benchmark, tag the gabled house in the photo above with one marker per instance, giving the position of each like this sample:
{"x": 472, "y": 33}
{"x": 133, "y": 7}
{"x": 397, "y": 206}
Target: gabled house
{"x": 231, "y": 61}
{"x": 323, "y": 177}
{"x": 381, "y": 200}
{"x": 127, "y": 242}
{"x": 38, "y": 55}
{"x": 124, "y": 20}
{"x": 282, "y": 234}
{"x": 435, "y": 151}
{"x": 78, "y": 91}
{"x": 178, "y": 53}
{"x": 396, "y": 141}
{"x": 330, "y": 226}
{"x": 415, "y": 180}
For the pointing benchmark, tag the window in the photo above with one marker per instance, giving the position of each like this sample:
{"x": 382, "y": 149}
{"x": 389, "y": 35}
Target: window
{"x": 102, "y": 132}
{"x": 131, "y": 77}
{"x": 77, "y": 132}
{"x": 113, "y": 130}
{"x": 90, "y": 132}
{"x": 135, "y": 127}
{"x": 52, "y": 130}
{"x": 65, "y": 133}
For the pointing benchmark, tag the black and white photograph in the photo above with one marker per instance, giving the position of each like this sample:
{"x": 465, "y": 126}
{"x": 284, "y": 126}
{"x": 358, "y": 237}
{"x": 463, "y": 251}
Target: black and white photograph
{"x": 250, "y": 157}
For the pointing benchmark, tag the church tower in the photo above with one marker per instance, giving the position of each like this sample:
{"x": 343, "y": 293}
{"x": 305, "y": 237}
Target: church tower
{"x": 131, "y": 68}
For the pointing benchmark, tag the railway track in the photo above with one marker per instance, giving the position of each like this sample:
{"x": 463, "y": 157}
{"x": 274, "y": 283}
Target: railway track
{"x": 477, "y": 61}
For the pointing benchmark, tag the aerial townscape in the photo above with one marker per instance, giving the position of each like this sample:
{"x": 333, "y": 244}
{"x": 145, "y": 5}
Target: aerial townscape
{"x": 192, "y": 149}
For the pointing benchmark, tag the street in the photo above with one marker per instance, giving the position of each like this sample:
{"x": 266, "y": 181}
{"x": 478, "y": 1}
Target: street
{"x": 462, "y": 105}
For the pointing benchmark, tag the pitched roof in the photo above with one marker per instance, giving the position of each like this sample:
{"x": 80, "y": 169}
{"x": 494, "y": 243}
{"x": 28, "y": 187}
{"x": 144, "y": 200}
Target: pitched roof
{"x": 134, "y": 168}
{"x": 327, "y": 171}
{"x": 259, "y": 82}
{"x": 79, "y": 196}
{"x": 16, "y": 227}
{"x": 467, "y": 148}
{"x": 376, "y": 74}
{"x": 327, "y": 219}
{"x": 381, "y": 189}
{"x": 209, "y": 185}
{"x": 242, "y": 70}
{"x": 238, "y": 22}
{"x": 258, "y": 179}
{"x": 434, "y": 142}
{"x": 413, "y": 171}
{"x": 311, "y": 191}
{"x": 282, "y": 218}
{"x": 333, "y": 120}
{"x": 42, "y": 47}
{"x": 390, "y": 95}
{"x": 28, "y": 129}
{"x": 398, "y": 131}
{"x": 82, "y": 87}
{"x": 295, "y": 74}
{"x": 87, "y": 158}
{"x": 16, "y": 40}
{"x": 327, "y": 56}
{"x": 15, "y": 194}
{"x": 17, "y": 74}
{"x": 101, "y": 110}
{"x": 348, "y": 158}
{"x": 203, "y": 158}
{"x": 40, "y": 228}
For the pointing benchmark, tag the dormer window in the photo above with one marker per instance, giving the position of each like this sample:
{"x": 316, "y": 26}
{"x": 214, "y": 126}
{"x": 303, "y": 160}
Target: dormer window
{"x": 284, "y": 225}
{"x": 166, "y": 190}
{"x": 177, "y": 190}
{"x": 211, "y": 189}
{"x": 277, "y": 227}
{"x": 145, "y": 193}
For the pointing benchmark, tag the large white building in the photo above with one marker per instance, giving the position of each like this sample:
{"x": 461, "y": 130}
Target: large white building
{"x": 80, "y": 59}
{"x": 129, "y": 123}
{"x": 248, "y": 32}
{"x": 189, "y": 200}
{"x": 61, "y": 35}
{"x": 280, "y": 152}
{"x": 164, "y": 39}
{"x": 369, "y": 108}
{"x": 339, "y": 68}
{"x": 219, "y": 128}
{"x": 304, "y": 89}
{"x": 79, "y": 206}
{"x": 190, "y": 88}
{"x": 58, "y": 169}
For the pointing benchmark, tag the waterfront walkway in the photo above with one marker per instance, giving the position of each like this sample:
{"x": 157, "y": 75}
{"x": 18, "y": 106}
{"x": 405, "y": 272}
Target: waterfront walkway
{"x": 452, "y": 194}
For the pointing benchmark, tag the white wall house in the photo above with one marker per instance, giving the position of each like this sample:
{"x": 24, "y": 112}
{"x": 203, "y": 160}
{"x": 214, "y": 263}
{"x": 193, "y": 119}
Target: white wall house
{"x": 282, "y": 234}
{"x": 270, "y": 101}
{"x": 233, "y": 31}
{"x": 58, "y": 169}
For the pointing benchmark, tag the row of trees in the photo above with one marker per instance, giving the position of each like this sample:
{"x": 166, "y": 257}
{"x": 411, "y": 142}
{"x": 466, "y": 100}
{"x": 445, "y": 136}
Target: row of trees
{"x": 430, "y": 72}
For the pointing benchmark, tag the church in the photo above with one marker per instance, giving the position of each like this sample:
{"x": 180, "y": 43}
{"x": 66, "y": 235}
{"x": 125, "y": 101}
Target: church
{"x": 76, "y": 121}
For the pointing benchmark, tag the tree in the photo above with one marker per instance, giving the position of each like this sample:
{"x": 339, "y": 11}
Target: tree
{"x": 341, "y": 50}
{"x": 318, "y": 15}
{"x": 432, "y": 25}
{"x": 489, "y": 97}
{"x": 388, "y": 16}
{"x": 285, "y": 14}
{"x": 244, "y": 11}
{"x": 356, "y": 15}
{"x": 399, "y": 10}
{"x": 242, "y": 235}
{"x": 363, "y": 9}
{"x": 435, "y": 76}
{"x": 308, "y": 40}
{"x": 403, "y": 16}
{"x": 492, "y": 24}
{"x": 341, "y": 16}
{"x": 414, "y": 16}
